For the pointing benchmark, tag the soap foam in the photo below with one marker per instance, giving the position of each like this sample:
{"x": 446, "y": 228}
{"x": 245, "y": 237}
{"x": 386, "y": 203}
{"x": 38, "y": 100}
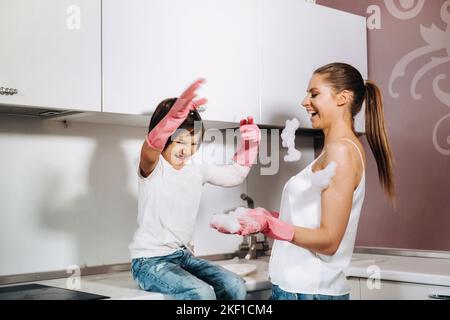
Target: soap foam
{"x": 288, "y": 140}
{"x": 322, "y": 179}
{"x": 225, "y": 222}
{"x": 230, "y": 222}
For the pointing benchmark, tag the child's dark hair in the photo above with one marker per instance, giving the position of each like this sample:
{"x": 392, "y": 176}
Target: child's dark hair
{"x": 189, "y": 124}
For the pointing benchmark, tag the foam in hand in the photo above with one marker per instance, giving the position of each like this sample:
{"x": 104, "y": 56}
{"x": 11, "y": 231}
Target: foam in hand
{"x": 230, "y": 222}
{"x": 225, "y": 222}
{"x": 288, "y": 140}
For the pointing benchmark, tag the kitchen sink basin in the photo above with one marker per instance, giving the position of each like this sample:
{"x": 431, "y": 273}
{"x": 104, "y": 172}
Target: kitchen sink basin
{"x": 241, "y": 269}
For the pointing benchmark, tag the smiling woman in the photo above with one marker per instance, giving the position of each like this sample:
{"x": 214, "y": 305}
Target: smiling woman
{"x": 345, "y": 85}
{"x": 316, "y": 228}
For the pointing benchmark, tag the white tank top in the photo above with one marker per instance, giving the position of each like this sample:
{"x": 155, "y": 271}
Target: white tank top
{"x": 298, "y": 270}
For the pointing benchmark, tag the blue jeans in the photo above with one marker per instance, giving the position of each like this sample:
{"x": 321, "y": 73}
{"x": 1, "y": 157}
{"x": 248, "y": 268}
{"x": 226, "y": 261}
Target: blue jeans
{"x": 279, "y": 294}
{"x": 185, "y": 277}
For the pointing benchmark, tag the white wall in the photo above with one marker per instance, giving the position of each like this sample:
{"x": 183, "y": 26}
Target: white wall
{"x": 69, "y": 195}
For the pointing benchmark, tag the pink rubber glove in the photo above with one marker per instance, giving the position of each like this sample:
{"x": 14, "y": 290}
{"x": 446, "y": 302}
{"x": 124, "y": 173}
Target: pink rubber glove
{"x": 158, "y": 137}
{"x": 251, "y": 136}
{"x": 268, "y": 223}
{"x": 219, "y": 228}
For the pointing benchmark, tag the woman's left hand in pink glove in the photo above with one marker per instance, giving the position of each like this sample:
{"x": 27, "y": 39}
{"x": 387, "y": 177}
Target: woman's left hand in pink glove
{"x": 267, "y": 222}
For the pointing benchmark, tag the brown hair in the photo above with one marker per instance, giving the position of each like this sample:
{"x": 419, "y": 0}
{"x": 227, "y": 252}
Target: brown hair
{"x": 342, "y": 77}
{"x": 189, "y": 124}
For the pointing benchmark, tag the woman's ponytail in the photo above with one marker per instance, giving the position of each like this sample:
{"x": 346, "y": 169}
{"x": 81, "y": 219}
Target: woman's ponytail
{"x": 378, "y": 140}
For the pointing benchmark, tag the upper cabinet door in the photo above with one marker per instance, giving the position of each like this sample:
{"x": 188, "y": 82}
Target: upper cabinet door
{"x": 51, "y": 53}
{"x": 153, "y": 49}
{"x": 297, "y": 38}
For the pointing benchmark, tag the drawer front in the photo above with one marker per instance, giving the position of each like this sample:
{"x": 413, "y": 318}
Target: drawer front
{"x": 390, "y": 290}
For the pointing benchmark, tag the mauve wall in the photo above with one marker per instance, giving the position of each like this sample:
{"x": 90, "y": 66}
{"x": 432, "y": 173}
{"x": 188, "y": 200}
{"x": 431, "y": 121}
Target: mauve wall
{"x": 419, "y": 128}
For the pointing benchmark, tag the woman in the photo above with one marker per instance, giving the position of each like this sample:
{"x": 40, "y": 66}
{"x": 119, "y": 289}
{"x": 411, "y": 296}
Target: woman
{"x": 170, "y": 188}
{"x": 316, "y": 229}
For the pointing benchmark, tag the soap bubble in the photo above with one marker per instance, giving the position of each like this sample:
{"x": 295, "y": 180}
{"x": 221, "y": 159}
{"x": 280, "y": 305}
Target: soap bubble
{"x": 293, "y": 155}
{"x": 231, "y": 222}
{"x": 322, "y": 179}
{"x": 225, "y": 222}
{"x": 288, "y": 138}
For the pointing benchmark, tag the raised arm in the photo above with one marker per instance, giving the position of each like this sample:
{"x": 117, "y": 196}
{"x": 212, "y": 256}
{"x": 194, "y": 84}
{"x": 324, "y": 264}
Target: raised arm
{"x": 235, "y": 174}
{"x": 225, "y": 175}
{"x": 148, "y": 160}
{"x": 158, "y": 136}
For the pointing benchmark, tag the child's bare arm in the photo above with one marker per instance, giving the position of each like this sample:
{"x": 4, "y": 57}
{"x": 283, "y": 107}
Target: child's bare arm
{"x": 149, "y": 159}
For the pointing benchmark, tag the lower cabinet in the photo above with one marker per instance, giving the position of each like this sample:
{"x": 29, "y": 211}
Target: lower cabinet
{"x": 355, "y": 293}
{"x": 364, "y": 289}
{"x": 390, "y": 290}
{"x": 393, "y": 290}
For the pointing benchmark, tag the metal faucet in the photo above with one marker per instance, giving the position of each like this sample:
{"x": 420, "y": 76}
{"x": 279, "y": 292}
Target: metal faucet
{"x": 250, "y": 202}
{"x": 250, "y": 243}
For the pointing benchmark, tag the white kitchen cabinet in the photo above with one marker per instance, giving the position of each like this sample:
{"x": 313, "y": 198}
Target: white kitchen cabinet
{"x": 257, "y": 55}
{"x": 125, "y": 56}
{"x": 153, "y": 49}
{"x": 297, "y": 38}
{"x": 355, "y": 293}
{"x": 391, "y": 290}
{"x": 51, "y": 53}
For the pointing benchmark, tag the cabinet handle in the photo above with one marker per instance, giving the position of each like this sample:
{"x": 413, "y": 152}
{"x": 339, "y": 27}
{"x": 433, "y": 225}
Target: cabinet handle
{"x": 8, "y": 91}
{"x": 438, "y": 297}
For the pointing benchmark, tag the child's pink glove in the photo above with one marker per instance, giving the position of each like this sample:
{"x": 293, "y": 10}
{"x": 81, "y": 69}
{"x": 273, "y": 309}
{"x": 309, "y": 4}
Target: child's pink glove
{"x": 266, "y": 222}
{"x": 158, "y": 137}
{"x": 250, "y": 138}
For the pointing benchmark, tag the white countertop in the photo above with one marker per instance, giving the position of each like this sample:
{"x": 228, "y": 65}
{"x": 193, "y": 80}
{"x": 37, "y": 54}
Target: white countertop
{"x": 429, "y": 271}
{"x": 120, "y": 285}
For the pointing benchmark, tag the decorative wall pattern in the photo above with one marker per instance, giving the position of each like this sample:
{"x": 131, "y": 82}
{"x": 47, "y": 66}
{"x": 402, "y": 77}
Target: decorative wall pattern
{"x": 409, "y": 58}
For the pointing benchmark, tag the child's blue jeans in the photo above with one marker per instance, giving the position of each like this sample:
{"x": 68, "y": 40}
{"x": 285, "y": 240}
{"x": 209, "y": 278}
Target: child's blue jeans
{"x": 185, "y": 277}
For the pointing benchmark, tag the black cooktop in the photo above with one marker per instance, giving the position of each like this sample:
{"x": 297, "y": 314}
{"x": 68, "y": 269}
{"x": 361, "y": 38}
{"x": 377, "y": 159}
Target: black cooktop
{"x": 41, "y": 292}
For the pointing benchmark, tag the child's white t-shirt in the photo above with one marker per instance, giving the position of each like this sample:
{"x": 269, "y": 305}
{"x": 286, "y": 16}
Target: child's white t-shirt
{"x": 168, "y": 203}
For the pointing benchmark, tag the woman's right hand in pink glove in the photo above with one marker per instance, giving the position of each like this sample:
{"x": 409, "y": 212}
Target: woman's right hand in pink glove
{"x": 253, "y": 221}
{"x": 267, "y": 222}
{"x": 158, "y": 137}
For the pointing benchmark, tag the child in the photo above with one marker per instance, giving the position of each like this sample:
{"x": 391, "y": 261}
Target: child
{"x": 170, "y": 189}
